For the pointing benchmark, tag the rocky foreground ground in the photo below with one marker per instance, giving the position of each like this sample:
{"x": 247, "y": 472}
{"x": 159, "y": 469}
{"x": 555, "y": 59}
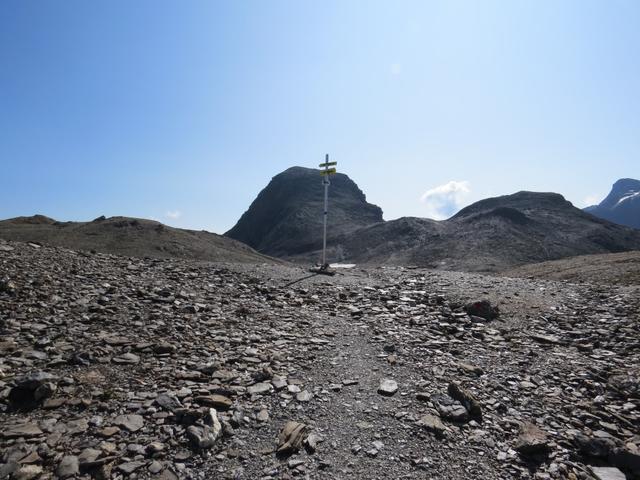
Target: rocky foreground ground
{"x": 114, "y": 367}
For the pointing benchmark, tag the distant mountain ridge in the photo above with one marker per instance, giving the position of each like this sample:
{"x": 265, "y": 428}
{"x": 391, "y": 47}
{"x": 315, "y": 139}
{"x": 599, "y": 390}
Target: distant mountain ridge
{"x": 622, "y": 205}
{"x": 285, "y": 220}
{"x": 490, "y": 235}
{"x": 130, "y": 237}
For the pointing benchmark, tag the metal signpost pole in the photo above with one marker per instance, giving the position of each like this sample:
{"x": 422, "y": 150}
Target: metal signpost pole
{"x": 325, "y": 181}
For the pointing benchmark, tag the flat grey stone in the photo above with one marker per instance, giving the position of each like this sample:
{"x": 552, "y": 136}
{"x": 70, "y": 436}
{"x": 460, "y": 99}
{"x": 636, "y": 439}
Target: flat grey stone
{"x": 260, "y": 388}
{"x": 304, "y": 396}
{"x": 608, "y": 473}
{"x": 130, "y": 467}
{"x": 127, "y": 358}
{"x": 432, "y": 423}
{"x": 131, "y": 422}
{"x": 387, "y": 387}
{"x": 68, "y": 467}
{"x": 168, "y": 402}
{"x": 26, "y": 430}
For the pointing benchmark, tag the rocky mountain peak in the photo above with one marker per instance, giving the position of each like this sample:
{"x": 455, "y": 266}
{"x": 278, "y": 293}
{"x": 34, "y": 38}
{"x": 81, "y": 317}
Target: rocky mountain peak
{"x": 286, "y": 216}
{"x": 522, "y": 201}
{"x": 33, "y": 220}
{"x": 621, "y": 191}
{"x": 622, "y": 205}
{"x": 627, "y": 184}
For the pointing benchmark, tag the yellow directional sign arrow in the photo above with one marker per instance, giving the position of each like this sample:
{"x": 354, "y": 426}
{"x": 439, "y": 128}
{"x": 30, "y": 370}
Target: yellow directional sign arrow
{"x": 329, "y": 171}
{"x": 327, "y": 164}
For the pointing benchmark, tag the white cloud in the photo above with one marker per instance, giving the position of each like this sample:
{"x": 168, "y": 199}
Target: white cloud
{"x": 444, "y": 200}
{"x": 591, "y": 200}
{"x": 395, "y": 68}
{"x": 174, "y": 214}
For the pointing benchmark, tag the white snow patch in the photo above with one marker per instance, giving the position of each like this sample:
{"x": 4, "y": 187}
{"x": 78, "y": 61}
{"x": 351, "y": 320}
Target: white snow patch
{"x": 627, "y": 197}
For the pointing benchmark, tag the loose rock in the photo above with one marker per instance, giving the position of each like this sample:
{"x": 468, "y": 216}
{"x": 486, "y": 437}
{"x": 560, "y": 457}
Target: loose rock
{"x": 387, "y": 387}
{"x": 291, "y": 437}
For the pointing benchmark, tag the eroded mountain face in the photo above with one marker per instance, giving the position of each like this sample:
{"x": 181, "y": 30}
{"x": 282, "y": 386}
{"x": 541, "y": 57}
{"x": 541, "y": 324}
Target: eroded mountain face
{"x": 622, "y": 205}
{"x": 286, "y": 217}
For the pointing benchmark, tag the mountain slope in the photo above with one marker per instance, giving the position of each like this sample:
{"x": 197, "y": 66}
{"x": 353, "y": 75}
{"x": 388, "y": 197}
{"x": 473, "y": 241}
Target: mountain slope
{"x": 622, "y": 205}
{"x": 286, "y": 217}
{"x": 490, "y": 235}
{"x": 606, "y": 269}
{"x": 131, "y": 237}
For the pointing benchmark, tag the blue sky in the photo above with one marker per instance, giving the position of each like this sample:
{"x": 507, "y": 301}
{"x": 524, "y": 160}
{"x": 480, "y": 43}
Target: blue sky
{"x": 183, "y": 110}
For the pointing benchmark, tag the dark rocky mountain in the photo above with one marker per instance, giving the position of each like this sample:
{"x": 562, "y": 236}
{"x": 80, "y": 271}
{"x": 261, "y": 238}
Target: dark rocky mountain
{"x": 490, "y": 235}
{"x": 622, "y": 205}
{"x": 131, "y": 237}
{"x": 286, "y": 217}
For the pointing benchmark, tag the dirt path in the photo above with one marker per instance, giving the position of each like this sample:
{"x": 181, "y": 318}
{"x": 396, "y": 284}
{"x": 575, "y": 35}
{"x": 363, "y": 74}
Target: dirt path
{"x": 371, "y": 436}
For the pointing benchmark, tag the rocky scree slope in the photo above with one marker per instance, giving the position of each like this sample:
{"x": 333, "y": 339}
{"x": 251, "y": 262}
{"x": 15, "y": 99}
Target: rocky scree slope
{"x": 622, "y": 205}
{"x": 115, "y": 367}
{"x": 129, "y": 236}
{"x": 286, "y": 217}
{"x": 608, "y": 269}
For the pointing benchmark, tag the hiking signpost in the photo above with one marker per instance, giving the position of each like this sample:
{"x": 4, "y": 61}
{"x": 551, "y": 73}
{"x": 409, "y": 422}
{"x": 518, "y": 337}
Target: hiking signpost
{"x": 328, "y": 170}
